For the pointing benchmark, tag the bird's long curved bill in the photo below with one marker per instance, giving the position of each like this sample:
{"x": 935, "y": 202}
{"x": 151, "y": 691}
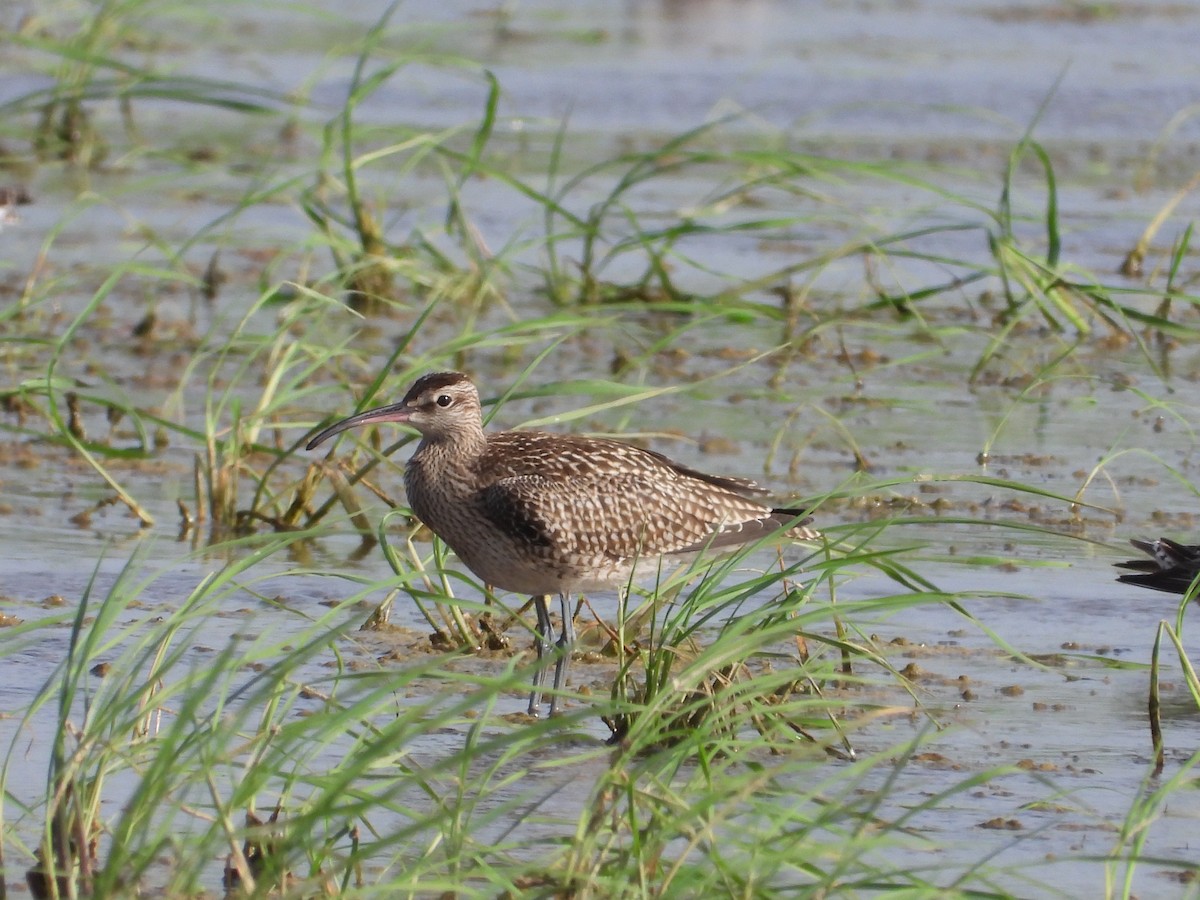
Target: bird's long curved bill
{"x": 394, "y": 412}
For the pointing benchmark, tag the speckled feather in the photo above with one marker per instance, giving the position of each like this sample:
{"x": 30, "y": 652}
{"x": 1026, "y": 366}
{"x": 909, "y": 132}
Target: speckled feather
{"x": 542, "y": 513}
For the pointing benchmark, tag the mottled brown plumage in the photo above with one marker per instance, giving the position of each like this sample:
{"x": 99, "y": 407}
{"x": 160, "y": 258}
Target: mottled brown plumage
{"x": 539, "y": 513}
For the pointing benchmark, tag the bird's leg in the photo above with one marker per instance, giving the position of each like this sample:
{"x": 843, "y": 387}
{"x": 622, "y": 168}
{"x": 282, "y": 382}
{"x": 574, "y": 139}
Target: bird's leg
{"x": 544, "y": 647}
{"x": 566, "y": 640}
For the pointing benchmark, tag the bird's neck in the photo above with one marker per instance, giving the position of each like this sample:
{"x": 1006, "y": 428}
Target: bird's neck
{"x": 461, "y": 448}
{"x": 441, "y": 475}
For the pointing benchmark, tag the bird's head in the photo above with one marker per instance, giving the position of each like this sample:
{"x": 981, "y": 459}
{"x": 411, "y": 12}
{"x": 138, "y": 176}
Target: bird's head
{"x": 440, "y": 406}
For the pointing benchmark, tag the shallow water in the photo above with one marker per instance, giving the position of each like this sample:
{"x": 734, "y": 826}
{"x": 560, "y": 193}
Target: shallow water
{"x": 938, "y": 83}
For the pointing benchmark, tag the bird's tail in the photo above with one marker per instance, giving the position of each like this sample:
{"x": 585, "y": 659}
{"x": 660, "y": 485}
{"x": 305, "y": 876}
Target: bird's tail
{"x": 796, "y": 521}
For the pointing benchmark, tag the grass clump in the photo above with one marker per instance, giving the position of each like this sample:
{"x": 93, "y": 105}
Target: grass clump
{"x": 291, "y": 754}
{"x": 88, "y": 61}
{"x": 190, "y": 727}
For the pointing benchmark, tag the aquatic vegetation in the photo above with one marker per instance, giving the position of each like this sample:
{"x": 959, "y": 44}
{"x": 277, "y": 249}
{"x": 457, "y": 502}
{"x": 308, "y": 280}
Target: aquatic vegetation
{"x": 976, "y": 405}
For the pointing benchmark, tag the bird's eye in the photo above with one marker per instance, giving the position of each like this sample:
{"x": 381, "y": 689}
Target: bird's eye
{"x": 444, "y": 400}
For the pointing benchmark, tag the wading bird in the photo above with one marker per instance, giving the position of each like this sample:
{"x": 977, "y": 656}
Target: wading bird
{"x": 538, "y": 513}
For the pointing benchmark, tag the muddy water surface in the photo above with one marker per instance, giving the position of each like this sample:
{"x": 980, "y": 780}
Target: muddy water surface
{"x": 948, "y": 83}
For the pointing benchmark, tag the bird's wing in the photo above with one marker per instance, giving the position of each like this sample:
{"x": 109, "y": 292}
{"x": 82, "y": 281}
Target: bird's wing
{"x": 572, "y": 456}
{"x": 1172, "y": 567}
{"x": 625, "y": 515}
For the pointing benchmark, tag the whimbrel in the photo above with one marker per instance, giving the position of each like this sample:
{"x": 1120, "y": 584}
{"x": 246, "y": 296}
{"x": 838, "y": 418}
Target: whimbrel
{"x": 539, "y": 514}
{"x": 1172, "y": 567}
